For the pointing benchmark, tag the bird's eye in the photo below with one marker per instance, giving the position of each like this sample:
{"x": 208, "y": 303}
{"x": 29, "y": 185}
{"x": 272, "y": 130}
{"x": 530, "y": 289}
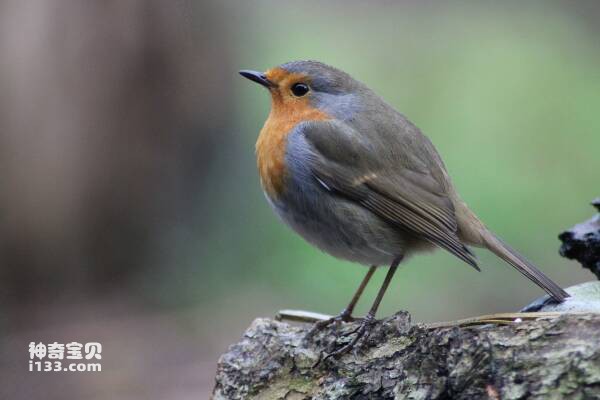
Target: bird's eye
{"x": 299, "y": 89}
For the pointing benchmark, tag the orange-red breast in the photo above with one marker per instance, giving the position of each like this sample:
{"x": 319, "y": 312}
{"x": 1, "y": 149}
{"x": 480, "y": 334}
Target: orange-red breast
{"x": 357, "y": 179}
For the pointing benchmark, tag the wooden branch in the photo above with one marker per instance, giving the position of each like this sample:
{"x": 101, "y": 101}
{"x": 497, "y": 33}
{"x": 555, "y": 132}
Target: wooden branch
{"x": 499, "y": 318}
{"x": 546, "y": 355}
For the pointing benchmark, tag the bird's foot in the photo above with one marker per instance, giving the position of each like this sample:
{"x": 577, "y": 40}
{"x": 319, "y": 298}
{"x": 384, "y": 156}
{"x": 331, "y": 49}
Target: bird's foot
{"x": 360, "y": 335}
{"x": 344, "y": 316}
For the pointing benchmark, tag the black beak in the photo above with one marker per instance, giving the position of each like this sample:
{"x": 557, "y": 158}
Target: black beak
{"x": 257, "y": 77}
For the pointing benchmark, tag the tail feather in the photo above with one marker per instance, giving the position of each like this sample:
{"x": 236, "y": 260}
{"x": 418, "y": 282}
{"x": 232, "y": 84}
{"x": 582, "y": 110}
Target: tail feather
{"x": 505, "y": 252}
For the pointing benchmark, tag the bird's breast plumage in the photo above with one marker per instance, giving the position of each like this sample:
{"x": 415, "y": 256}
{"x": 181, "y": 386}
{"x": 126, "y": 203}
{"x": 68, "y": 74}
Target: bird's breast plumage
{"x": 334, "y": 224}
{"x": 272, "y": 141}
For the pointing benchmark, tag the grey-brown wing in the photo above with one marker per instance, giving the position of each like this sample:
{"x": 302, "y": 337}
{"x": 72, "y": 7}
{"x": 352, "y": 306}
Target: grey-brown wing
{"x": 410, "y": 198}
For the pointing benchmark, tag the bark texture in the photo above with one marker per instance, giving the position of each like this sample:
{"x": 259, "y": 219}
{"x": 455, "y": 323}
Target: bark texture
{"x": 582, "y": 242}
{"x": 553, "y": 358}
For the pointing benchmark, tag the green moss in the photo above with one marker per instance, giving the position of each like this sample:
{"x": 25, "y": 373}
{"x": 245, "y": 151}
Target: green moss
{"x": 289, "y": 388}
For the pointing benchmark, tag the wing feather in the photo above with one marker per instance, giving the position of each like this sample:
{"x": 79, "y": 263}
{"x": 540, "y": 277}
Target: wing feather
{"x": 411, "y": 199}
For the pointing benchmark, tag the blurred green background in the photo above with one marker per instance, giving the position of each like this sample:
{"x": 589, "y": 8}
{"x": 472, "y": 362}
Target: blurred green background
{"x": 131, "y": 208}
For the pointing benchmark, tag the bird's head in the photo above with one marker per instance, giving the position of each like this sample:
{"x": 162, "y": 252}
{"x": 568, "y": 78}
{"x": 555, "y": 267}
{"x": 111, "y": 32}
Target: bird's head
{"x": 304, "y": 83}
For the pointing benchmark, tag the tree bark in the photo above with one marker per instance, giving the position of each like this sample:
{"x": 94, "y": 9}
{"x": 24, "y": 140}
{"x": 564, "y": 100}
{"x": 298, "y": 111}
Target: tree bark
{"x": 582, "y": 242}
{"x": 548, "y": 358}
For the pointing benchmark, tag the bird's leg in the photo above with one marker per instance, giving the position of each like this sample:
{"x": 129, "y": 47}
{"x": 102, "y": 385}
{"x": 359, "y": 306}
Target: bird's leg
{"x": 346, "y": 314}
{"x": 364, "y": 329}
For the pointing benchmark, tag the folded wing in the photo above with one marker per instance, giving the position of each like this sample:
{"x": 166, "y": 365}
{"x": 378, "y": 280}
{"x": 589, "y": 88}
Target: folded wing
{"x": 398, "y": 187}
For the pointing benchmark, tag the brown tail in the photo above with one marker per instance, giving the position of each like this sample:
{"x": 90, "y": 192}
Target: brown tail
{"x": 505, "y": 252}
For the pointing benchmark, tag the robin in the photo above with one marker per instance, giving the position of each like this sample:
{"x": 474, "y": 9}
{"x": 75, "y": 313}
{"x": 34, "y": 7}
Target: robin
{"x": 358, "y": 180}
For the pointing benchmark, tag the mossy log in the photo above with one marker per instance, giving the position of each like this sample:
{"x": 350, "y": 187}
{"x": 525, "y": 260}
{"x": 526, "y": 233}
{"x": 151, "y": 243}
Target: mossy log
{"x": 548, "y": 358}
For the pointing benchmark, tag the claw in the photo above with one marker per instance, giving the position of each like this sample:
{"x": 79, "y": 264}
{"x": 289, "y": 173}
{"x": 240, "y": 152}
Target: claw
{"x": 344, "y": 316}
{"x": 362, "y": 333}
{"x": 352, "y": 332}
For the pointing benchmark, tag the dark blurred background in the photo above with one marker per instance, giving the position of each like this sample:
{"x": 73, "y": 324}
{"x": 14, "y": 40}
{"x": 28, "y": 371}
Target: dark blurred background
{"x": 130, "y": 208}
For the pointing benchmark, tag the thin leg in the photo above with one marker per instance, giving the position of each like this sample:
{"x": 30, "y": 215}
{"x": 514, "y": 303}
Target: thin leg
{"x": 365, "y": 327}
{"x": 346, "y": 314}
